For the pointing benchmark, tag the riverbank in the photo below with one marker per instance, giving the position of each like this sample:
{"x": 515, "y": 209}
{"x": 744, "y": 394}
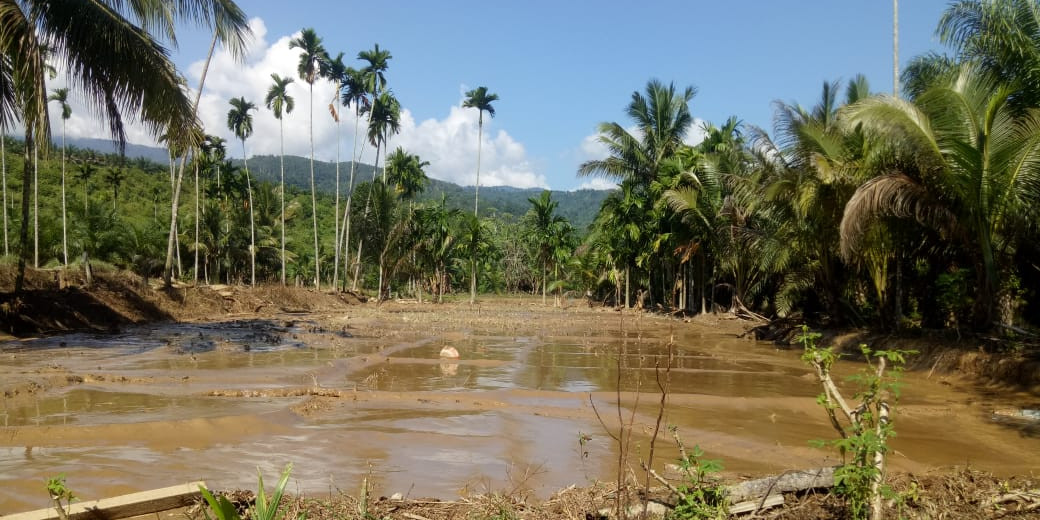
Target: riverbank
{"x": 59, "y": 301}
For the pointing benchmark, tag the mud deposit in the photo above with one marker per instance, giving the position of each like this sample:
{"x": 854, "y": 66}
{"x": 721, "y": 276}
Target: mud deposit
{"x": 365, "y": 393}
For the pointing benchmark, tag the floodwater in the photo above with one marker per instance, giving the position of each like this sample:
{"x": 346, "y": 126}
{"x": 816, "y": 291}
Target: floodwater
{"x": 531, "y": 406}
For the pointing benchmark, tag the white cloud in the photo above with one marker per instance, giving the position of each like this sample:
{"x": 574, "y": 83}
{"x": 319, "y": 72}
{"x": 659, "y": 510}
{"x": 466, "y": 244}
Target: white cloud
{"x": 696, "y": 133}
{"x": 597, "y": 183}
{"x": 449, "y": 143}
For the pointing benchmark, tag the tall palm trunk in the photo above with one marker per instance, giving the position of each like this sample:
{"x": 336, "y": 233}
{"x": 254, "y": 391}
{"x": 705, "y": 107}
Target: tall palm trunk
{"x": 368, "y": 205}
{"x": 628, "y": 287}
{"x": 544, "y": 277}
{"x": 314, "y": 200}
{"x": 195, "y": 271}
{"x": 23, "y": 232}
{"x": 64, "y": 226}
{"x": 36, "y": 206}
{"x": 281, "y": 165}
{"x": 335, "y": 215}
{"x": 350, "y": 196}
{"x": 476, "y": 205}
{"x": 252, "y": 225}
{"x": 175, "y": 202}
{"x": 480, "y": 143}
{"x": 3, "y": 171}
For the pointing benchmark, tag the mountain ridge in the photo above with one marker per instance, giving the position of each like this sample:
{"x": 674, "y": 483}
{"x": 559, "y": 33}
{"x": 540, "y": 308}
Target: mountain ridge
{"x": 579, "y": 207}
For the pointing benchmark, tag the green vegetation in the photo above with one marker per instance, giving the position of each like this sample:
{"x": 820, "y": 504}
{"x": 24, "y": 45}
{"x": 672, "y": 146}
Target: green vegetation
{"x": 865, "y": 429}
{"x": 264, "y": 507}
{"x": 860, "y": 209}
{"x": 60, "y": 493}
{"x": 701, "y": 494}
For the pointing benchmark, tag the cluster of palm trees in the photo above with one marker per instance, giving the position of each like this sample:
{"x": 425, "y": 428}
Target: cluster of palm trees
{"x": 127, "y": 73}
{"x": 862, "y": 208}
{"x": 871, "y": 209}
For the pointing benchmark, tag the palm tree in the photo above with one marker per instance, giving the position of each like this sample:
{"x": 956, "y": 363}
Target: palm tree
{"x": 375, "y": 80}
{"x": 384, "y": 119}
{"x": 543, "y": 222}
{"x": 240, "y": 121}
{"x": 280, "y": 102}
{"x": 479, "y": 99}
{"x": 474, "y": 240}
{"x": 638, "y": 159}
{"x": 6, "y": 118}
{"x": 1003, "y": 37}
{"x": 313, "y": 59}
{"x": 972, "y": 168}
{"x": 86, "y": 171}
{"x": 61, "y": 95}
{"x": 354, "y": 93}
{"x": 115, "y": 178}
{"x": 405, "y": 172}
{"x": 335, "y": 72}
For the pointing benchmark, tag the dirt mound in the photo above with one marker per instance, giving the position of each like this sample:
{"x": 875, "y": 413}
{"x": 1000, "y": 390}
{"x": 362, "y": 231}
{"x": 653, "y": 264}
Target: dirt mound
{"x": 59, "y": 300}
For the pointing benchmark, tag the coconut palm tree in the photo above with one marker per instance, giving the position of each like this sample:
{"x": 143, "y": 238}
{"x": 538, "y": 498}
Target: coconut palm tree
{"x": 480, "y": 99}
{"x": 61, "y": 95}
{"x": 662, "y": 119}
{"x": 280, "y": 102}
{"x": 1003, "y": 37}
{"x": 638, "y": 160}
{"x": 971, "y": 171}
{"x": 336, "y": 71}
{"x": 353, "y": 93}
{"x": 313, "y": 60}
{"x": 240, "y": 121}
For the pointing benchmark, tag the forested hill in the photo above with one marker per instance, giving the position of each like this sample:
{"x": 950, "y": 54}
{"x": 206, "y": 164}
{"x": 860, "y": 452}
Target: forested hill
{"x": 578, "y": 207}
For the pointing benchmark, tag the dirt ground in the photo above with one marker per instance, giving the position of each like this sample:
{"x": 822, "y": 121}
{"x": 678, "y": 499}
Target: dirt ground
{"x": 964, "y": 494}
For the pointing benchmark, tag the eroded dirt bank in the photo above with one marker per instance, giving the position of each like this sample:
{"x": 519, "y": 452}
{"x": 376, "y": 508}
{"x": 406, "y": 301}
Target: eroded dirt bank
{"x": 58, "y": 301}
{"x": 355, "y": 391}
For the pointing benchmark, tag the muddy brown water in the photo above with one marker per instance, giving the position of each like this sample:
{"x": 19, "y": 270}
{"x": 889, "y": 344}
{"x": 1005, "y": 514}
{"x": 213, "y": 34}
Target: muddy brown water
{"x": 366, "y": 394}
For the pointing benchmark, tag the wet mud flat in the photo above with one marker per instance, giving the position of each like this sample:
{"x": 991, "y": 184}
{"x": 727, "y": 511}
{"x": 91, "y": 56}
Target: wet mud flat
{"x": 364, "y": 393}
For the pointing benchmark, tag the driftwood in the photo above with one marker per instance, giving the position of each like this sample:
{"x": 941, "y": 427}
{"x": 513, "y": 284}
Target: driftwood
{"x": 789, "y": 482}
{"x": 749, "y": 506}
{"x": 124, "y": 506}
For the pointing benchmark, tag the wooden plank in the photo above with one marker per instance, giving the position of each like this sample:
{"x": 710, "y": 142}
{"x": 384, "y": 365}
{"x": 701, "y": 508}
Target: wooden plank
{"x": 124, "y": 506}
{"x": 756, "y": 505}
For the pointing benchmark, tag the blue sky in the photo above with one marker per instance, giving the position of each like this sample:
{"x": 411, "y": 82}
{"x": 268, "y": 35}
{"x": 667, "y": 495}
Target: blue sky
{"x": 560, "y": 68}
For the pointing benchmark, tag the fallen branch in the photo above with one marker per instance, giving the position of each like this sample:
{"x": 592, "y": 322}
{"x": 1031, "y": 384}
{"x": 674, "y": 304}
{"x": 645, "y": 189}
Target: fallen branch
{"x": 789, "y": 482}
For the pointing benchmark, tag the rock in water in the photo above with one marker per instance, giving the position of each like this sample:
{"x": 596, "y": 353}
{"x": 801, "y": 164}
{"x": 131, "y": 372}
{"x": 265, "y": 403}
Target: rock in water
{"x": 449, "y": 352}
